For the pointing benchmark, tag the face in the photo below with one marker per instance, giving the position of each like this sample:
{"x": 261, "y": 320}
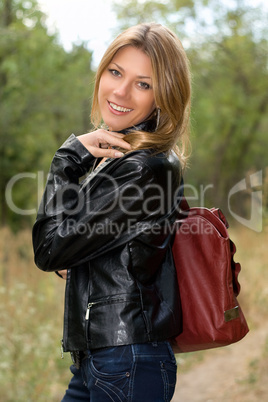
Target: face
{"x": 126, "y": 95}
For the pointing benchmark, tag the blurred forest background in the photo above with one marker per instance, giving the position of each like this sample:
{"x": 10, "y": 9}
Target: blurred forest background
{"x": 45, "y": 95}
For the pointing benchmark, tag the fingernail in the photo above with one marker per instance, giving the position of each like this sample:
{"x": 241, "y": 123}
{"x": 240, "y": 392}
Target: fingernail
{"x": 118, "y": 154}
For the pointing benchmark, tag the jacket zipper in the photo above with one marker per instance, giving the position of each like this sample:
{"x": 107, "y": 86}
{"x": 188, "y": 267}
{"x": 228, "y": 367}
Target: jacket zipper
{"x": 87, "y": 323}
{"x": 89, "y": 305}
{"x": 98, "y": 302}
{"x": 88, "y": 309}
{"x": 61, "y": 349}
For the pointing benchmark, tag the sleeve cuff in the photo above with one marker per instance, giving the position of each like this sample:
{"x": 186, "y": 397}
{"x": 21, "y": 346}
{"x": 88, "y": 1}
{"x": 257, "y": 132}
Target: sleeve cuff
{"x": 75, "y": 147}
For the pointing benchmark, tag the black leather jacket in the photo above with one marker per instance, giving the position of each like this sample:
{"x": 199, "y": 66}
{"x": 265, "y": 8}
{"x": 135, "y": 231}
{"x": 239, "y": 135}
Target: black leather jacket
{"x": 113, "y": 232}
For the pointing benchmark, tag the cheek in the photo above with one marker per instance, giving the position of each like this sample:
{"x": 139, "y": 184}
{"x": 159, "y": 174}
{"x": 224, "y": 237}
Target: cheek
{"x": 149, "y": 103}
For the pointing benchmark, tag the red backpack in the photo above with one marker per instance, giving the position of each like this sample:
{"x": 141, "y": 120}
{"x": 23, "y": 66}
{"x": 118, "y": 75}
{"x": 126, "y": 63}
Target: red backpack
{"x": 208, "y": 281}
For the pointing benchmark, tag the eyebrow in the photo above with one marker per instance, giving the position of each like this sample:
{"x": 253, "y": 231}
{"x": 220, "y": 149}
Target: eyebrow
{"x": 138, "y": 76}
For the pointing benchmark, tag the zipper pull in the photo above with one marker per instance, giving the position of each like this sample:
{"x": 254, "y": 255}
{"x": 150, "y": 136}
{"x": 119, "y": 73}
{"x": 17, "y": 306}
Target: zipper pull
{"x": 61, "y": 349}
{"x": 88, "y": 310}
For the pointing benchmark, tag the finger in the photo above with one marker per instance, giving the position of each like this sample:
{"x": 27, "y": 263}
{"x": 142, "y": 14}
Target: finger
{"x": 113, "y": 139}
{"x": 105, "y": 152}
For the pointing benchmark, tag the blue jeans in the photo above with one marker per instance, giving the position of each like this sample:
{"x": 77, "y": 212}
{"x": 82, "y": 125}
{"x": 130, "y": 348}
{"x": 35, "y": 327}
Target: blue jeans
{"x": 132, "y": 373}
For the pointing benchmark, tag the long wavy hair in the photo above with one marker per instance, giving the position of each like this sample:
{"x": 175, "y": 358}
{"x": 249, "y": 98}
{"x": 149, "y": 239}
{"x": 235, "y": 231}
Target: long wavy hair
{"x": 171, "y": 85}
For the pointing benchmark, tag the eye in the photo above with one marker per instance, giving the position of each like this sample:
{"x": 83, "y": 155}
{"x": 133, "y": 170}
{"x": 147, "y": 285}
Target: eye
{"x": 115, "y": 72}
{"x": 144, "y": 85}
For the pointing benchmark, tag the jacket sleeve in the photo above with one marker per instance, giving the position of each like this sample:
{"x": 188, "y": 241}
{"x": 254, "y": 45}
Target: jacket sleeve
{"x": 76, "y": 223}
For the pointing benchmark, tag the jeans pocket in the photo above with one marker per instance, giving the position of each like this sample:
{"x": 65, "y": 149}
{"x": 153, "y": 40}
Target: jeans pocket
{"x": 108, "y": 374}
{"x": 106, "y": 381}
{"x": 169, "y": 376}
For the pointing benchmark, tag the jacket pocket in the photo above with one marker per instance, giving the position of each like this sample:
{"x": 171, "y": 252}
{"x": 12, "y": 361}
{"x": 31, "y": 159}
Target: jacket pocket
{"x": 113, "y": 322}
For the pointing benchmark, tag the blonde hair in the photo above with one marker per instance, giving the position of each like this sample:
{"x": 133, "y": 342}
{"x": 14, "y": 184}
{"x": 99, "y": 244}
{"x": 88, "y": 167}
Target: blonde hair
{"x": 171, "y": 84}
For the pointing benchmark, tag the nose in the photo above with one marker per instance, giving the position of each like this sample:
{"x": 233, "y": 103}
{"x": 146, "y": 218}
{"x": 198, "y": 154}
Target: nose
{"x": 122, "y": 89}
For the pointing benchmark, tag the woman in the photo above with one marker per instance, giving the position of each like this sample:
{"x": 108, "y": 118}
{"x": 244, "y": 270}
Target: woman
{"x": 110, "y": 235}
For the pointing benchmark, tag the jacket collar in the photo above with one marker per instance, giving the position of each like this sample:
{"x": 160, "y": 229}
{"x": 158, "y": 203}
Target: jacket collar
{"x": 147, "y": 125}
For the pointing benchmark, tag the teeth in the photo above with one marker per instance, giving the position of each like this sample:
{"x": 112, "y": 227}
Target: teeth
{"x": 119, "y": 108}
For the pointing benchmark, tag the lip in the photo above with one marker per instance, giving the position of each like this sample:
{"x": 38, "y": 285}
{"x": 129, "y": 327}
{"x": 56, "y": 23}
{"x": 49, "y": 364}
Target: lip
{"x": 118, "y": 112}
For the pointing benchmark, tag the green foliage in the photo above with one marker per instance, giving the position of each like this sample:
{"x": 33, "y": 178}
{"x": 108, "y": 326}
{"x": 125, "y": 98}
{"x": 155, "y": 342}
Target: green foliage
{"x": 45, "y": 92}
{"x": 227, "y": 48}
{"x": 44, "y": 97}
{"x": 166, "y": 12}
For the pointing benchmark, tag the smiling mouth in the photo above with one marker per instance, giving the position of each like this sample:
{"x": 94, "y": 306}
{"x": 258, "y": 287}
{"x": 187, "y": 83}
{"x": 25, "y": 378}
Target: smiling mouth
{"x": 119, "y": 108}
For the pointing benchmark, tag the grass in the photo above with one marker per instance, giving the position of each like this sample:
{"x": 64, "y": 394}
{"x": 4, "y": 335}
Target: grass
{"x": 31, "y": 310}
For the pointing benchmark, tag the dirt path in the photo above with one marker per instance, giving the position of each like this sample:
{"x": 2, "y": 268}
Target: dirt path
{"x": 224, "y": 373}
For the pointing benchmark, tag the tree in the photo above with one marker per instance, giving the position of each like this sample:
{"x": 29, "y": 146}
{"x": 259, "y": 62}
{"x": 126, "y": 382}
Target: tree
{"x": 44, "y": 97}
{"x": 227, "y": 48}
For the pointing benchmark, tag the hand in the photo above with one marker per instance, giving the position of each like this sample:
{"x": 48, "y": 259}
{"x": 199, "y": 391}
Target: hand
{"x": 99, "y": 143}
{"x": 63, "y": 273}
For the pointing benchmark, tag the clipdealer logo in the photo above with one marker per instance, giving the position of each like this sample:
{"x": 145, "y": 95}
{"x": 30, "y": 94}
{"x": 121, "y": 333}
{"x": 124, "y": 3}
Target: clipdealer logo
{"x": 253, "y": 186}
